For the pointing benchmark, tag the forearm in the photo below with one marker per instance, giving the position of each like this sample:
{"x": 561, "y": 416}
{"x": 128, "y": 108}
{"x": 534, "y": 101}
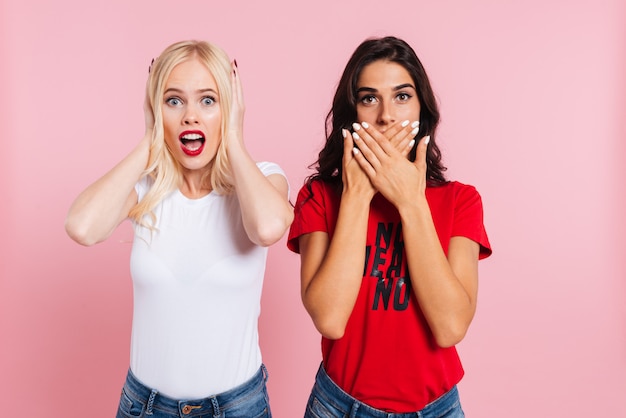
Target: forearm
{"x": 99, "y": 209}
{"x": 265, "y": 208}
{"x": 446, "y": 297}
{"x": 330, "y": 294}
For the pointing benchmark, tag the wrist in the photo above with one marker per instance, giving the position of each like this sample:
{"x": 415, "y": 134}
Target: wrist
{"x": 361, "y": 195}
{"x": 414, "y": 208}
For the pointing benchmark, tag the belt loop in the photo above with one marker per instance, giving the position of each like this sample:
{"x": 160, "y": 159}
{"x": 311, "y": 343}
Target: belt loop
{"x": 151, "y": 402}
{"x": 355, "y": 407}
{"x": 266, "y": 375}
{"x": 216, "y": 408}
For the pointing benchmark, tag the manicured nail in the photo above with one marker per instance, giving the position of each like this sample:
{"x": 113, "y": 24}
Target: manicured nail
{"x": 405, "y": 123}
{"x": 365, "y": 125}
{"x": 235, "y": 61}
{"x": 415, "y": 131}
{"x": 427, "y": 139}
{"x": 356, "y": 126}
{"x": 415, "y": 124}
{"x": 355, "y": 151}
{"x": 411, "y": 143}
{"x": 355, "y": 135}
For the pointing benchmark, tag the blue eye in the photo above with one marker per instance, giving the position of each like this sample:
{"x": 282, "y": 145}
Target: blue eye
{"x": 173, "y": 101}
{"x": 208, "y": 101}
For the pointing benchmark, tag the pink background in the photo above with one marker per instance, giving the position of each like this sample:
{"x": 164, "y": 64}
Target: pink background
{"x": 533, "y": 98}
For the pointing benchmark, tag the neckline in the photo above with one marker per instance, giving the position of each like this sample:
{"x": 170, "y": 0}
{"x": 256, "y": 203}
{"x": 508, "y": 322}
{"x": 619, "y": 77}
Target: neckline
{"x": 195, "y": 201}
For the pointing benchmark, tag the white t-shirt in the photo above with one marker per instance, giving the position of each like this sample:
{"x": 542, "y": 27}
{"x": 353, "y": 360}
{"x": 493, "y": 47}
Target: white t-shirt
{"x": 197, "y": 283}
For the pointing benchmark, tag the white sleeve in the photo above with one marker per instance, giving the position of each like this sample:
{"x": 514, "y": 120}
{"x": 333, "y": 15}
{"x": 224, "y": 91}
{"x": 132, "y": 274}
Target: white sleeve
{"x": 142, "y": 187}
{"x": 269, "y": 168}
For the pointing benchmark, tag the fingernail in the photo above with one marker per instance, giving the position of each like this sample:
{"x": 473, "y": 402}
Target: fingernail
{"x": 355, "y": 151}
{"x": 355, "y": 135}
{"x": 411, "y": 143}
{"x": 427, "y": 139}
{"x": 405, "y": 123}
{"x": 356, "y": 126}
{"x": 235, "y": 61}
{"x": 415, "y": 131}
{"x": 344, "y": 132}
{"x": 365, "y": 125}
{"x": 415, "y": 124}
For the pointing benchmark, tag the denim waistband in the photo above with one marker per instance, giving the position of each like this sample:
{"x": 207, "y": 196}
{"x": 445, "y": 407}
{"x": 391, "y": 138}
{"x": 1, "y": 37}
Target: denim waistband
{"x": 325, "y": 384}
{"x": 193, "y": 407}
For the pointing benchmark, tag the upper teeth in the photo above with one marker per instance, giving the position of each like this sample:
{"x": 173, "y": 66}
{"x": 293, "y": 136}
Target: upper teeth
{"x": 192, "y": 137}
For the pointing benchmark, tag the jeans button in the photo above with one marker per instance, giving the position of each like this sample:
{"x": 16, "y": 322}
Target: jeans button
{"x": 188, "y": 408}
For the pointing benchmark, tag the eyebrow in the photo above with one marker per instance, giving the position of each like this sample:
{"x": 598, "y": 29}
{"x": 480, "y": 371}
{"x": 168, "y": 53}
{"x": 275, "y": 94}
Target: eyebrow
{"x": 396, "y": 88}
{"x": 176, "y": 90}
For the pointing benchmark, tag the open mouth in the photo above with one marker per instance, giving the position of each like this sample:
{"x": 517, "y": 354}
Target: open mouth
{"x": 192, "y": 142}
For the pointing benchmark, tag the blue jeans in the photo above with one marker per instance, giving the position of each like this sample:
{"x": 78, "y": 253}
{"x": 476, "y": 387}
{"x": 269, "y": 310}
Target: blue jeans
{"x": 249, "y": 400}
{"x": 328, "y": 400}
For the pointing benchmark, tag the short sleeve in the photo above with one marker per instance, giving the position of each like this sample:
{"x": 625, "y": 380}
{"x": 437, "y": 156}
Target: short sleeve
{"x": 468, "y": 219}
{"x": 142, "y": 187}
{"x": 269, "y": 168}
{"x": 310, "y": 214}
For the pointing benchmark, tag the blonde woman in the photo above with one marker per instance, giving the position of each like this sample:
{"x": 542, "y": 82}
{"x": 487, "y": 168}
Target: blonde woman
{"x": 203, "y": 214}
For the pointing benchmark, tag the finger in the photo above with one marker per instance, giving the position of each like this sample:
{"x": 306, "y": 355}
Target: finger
{"x": 147, "y": 109}
{"x": 369, "y": 147}
{"x": 347, "y": 146}
{"x": 399, "y": 137}
{"x": 363, "y": 162}
{"x": 236, "y": 82}
{"x": 404, "y": 136}
{"x": 372, "y": 136}
{"x": 237, "y": 107}
{"x": 397, "y": 132}
{"x": 420, "y": 156}
{"x": 407, "y": 149}
{"x": 378, "y": 146}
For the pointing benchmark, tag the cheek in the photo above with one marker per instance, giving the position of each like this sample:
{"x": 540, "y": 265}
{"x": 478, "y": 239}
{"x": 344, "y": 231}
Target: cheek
{"x": 415, "y": 114}
{"x": 213, "y": 118}
{"x": 365, "y": 114}
{"x": 169, "y": 123}
{"x": 213, "y": 123}
{"x": 169, "y": 131}
{"x": 410, "y": 113}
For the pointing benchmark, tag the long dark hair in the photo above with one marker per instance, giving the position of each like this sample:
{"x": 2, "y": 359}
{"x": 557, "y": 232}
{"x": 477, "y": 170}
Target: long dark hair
{"x": 343, "y": 112}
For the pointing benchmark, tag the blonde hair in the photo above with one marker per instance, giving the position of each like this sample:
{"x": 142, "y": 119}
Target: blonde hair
{"x": 164, "y": 170}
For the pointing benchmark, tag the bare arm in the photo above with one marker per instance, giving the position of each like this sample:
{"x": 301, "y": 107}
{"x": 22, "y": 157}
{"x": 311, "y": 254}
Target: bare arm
{"x": 103, "y": 205}
{"x": 445, "y": 287}
{"x": 265, "y": 207}
{"x": 332, "y": 270}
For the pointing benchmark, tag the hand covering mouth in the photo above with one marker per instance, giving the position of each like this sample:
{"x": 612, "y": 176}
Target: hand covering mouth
{"x": 192, "y": 141}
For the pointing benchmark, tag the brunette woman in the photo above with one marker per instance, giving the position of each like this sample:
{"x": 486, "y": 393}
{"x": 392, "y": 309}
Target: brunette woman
{"x": 389, "y": 247}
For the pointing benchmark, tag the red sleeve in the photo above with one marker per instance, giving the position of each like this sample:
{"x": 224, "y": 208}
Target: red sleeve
{"x": 309, "y": 214}
{"x": 468, "y": 219}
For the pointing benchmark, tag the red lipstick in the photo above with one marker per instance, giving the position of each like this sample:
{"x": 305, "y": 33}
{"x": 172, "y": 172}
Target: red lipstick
{"x": 192, "y": 142}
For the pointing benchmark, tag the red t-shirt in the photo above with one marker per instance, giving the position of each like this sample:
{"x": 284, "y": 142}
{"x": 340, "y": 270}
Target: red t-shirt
{"x": 388, "y": 357}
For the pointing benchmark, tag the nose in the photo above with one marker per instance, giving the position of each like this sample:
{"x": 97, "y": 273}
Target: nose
{"x": 385, "y": 114}
{"x": 190, "y": 116}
